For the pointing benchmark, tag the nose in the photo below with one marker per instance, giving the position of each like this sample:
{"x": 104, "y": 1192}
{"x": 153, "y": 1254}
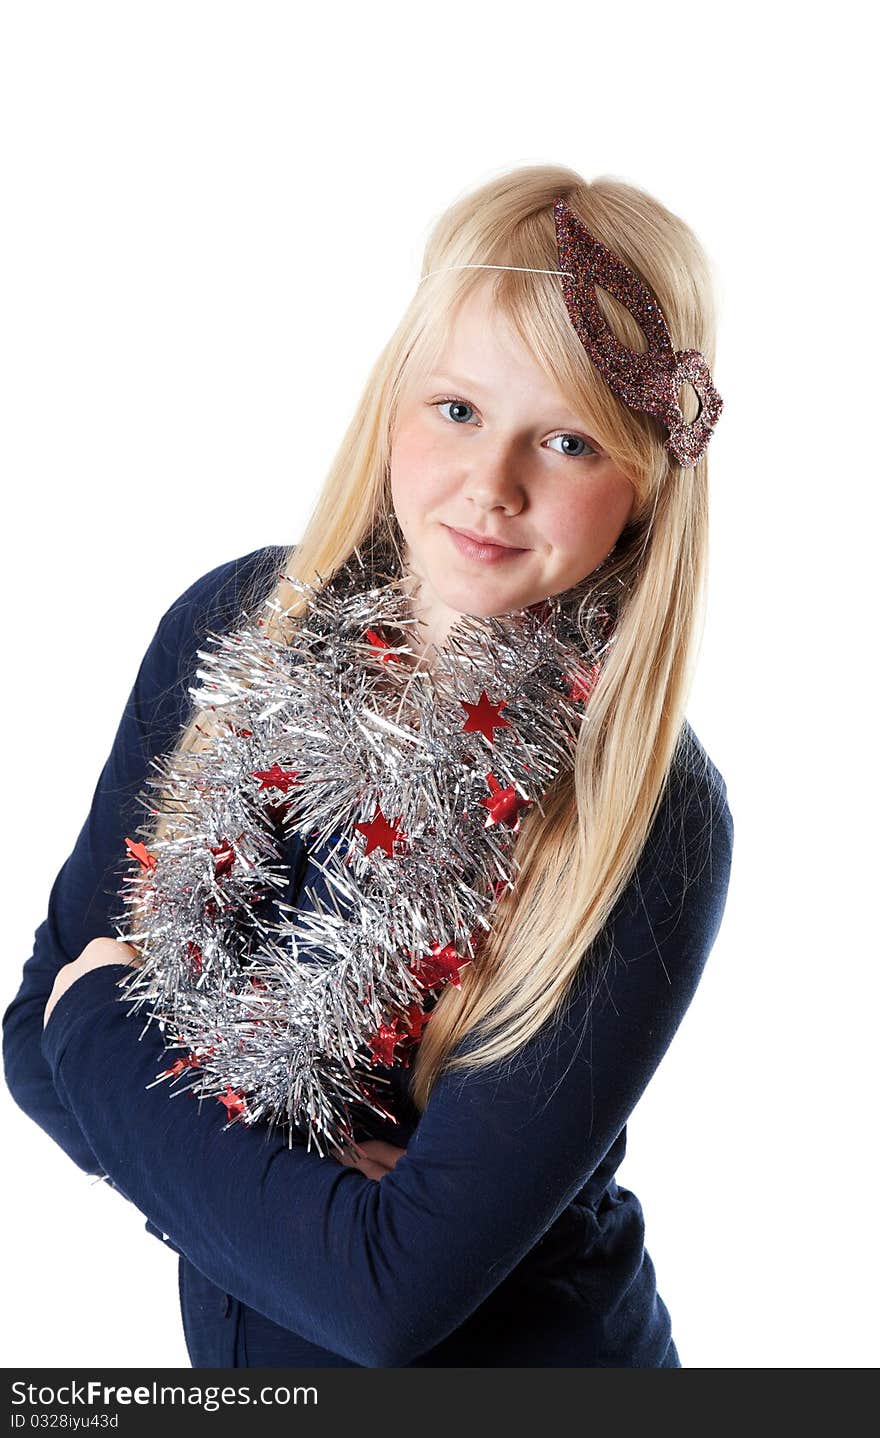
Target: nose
{"x": 493, "y": 478}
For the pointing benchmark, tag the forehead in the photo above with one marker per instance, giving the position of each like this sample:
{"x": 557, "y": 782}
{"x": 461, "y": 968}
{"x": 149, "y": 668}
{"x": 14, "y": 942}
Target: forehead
{"x": 477, "y": 321}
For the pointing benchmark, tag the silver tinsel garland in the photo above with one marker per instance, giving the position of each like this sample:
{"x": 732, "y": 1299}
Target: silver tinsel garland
{"x": 416, "y": 775}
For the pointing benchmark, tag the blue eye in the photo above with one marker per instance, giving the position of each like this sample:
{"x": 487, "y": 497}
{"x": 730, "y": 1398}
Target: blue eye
{"x": 459, "y": 404}
{"x": 577, "y": 439}
{"x": 587, "y": 451}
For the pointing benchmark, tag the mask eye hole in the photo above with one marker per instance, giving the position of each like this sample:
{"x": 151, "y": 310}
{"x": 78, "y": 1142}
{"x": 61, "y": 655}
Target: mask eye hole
{"x": 623, "y": 326}
{"x": 689, "y": 403}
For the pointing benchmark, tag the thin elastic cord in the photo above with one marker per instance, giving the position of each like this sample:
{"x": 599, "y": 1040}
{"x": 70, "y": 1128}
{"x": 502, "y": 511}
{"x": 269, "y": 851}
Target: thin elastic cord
{"x": 525, "y": 269}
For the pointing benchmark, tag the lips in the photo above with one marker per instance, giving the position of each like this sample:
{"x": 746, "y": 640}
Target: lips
{"x": 484, "y": 538}
{"x": 482, "y": 551}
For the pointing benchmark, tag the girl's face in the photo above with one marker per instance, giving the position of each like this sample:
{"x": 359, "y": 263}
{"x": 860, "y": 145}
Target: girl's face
{"x": 486, "y": 443}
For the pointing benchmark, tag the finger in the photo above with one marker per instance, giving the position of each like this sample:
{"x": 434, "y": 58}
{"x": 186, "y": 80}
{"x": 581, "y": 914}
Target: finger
{"x": 104, "y": 950}
{"x": 368, "y": 1166}
{"x": 356, "y": 1158}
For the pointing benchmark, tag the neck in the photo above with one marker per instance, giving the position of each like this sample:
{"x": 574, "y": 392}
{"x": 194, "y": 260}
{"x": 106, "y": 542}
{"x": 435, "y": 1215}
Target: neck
{"x": 435, "y": 619}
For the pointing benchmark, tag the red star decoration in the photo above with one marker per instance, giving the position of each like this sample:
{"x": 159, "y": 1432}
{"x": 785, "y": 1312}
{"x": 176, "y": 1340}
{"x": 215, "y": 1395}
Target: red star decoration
{"x": 383, "y": 1041}
{"x": 276, "y": 778}
{"x": 146, "y": 860}
{"x": 224, "y": 858}
{"x": 583, "y": 684}
{"x": 415, "y": 1020}
{"x": 245, "y": 733}
{"x": 483, "y": 717}
{"x": 380, "y": 833}
{"x": 441, "y": 965}
{"x": 180, "y": 1066}
{"x": 233, "y": 1102}
{"x": 503, "y": 804}
{"x": 381, "y": 647}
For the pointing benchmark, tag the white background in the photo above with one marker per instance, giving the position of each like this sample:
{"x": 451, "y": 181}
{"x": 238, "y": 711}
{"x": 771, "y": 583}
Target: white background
{"x": 213, "y": 218}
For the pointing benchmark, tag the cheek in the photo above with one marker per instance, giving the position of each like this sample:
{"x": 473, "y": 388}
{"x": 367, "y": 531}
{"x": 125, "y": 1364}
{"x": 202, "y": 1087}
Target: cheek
{"x": 592, "y": 515}
{"x": 416, "y": 471}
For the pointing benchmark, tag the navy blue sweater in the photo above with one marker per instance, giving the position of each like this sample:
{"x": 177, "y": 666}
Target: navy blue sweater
{"x": 501, "y": 1238}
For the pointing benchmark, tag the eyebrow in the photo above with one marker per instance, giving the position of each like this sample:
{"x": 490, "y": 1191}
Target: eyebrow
{"x": 462, "y": 382}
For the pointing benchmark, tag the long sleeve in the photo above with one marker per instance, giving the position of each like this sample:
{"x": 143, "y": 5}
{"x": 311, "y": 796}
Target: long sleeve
{"x": 83, "y": 893}
{"x": 380, "y": 1272}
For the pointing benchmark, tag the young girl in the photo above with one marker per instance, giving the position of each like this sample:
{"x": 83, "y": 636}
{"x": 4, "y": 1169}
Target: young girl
{"x": 522, "y": 427}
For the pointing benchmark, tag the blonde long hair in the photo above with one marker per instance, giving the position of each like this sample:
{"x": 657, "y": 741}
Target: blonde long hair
{"x": 575, "y": 859}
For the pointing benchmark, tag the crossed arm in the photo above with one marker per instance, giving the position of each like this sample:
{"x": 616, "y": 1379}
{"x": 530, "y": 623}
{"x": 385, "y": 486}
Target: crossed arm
{"x": 379, "y": 1272}
{"x": 374, "y": 1157}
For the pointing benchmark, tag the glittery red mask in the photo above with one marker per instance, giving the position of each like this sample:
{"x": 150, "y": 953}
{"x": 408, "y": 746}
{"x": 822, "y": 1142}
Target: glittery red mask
{"x": 649, "y": 381}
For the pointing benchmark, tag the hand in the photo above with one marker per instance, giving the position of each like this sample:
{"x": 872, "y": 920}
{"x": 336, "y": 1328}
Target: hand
{"x": 377, "y": 1157}
{"x": 95, "y": 954}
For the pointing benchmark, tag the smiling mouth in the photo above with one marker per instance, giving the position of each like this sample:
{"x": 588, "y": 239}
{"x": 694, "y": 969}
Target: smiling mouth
{"x": 483, "y": 550}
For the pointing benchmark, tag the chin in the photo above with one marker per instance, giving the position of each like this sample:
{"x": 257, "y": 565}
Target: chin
{"x": 481, "y": 598}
